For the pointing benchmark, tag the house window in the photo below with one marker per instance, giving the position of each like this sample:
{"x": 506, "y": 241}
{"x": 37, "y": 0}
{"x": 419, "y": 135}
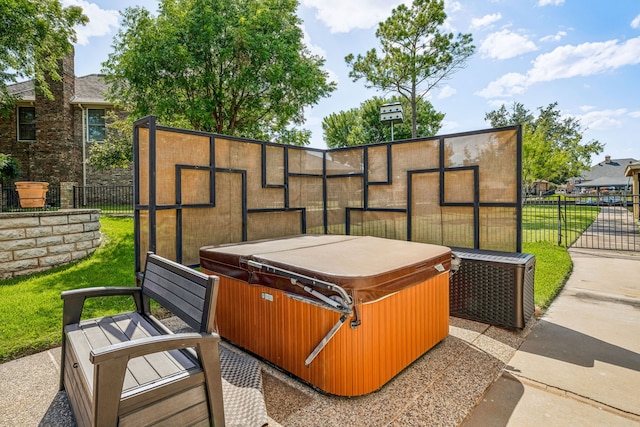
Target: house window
{"x": 95, "y": 124}
{"x": 26, "y": 123}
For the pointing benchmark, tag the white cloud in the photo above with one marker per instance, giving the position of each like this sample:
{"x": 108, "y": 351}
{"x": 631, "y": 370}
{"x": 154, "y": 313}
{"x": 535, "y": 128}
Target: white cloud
{"x": 635, "y": 114}
{"x": 587, "y": 108}
{"x": 496, "y": 103}
{"x": 317, "y": 50}
{"x": 313, "y": 48}
{"x": 584, "y": 60}
{"x": 550, "y": 2}
{"x": 507, "y": 85}
{"x": 505, "y": 44}
{"x": 449, "y": 126}
{"x": 568, "y": 61}
{"x": 446, "y": 92}
{"x": 333, "y": 76}
{"x": 342, "y": 16}
{"x": 555, "y": 37}
{"x": 485, "y": 20}
{"x": 101, "y": 21}
{"x": 452, "y": 6}
{"x": 636, "y": 22}
{"x": 603, "y": 119}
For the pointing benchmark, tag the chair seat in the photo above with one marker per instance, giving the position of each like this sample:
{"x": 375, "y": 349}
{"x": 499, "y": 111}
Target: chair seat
{"x": 142, "y": 373}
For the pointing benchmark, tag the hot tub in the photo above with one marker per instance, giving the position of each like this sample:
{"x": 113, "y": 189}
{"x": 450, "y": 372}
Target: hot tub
{"x": 343, "y": 313}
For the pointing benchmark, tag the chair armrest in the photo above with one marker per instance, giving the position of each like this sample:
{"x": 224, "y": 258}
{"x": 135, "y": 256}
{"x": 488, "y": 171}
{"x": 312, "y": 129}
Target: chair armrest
{"x": 100, "y": 291}
{"x": 111, "y": 365}
{"x": 74, "y": 299}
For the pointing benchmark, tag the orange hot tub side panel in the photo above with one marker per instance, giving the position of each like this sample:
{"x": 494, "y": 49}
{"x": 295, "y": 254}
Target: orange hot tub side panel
{"x": 394, "y": 332}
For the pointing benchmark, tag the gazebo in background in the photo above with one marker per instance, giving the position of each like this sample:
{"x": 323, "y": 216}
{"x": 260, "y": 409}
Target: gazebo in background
{"x": 633, "y": 171}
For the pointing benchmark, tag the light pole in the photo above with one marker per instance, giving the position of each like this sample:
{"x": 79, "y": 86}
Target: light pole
{"x": 391, "y": 113}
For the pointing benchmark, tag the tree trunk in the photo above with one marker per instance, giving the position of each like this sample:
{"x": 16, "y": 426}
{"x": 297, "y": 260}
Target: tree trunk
{"x": 414, "y": 111}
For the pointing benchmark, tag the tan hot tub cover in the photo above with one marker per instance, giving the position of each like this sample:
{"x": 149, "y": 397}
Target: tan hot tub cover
{"x": 368, "y": 268}
{"x": 398, "y": 308}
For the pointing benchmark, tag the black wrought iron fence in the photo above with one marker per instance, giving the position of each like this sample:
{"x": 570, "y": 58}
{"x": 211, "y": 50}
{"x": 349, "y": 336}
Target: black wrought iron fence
{"x": 10, "y": 202}
{"x": 586, "y": 221}
{"x": 116, "y": 199}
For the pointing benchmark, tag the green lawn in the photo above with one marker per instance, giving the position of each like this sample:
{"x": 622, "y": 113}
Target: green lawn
{"x": 540, "y": 236}
{"x": 553, "y": 266}
{"x": 541, "y": 222}
{"x": 31, "y": 308}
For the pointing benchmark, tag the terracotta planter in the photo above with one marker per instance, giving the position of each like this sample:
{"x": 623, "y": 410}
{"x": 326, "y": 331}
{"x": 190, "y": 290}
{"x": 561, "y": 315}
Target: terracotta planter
{"x": 32, "y": 194}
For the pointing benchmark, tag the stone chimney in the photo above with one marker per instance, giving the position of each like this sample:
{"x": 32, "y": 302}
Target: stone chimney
{"x": 53, "y": 156}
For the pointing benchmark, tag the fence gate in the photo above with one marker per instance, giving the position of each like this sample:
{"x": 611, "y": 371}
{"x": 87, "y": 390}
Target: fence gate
{"x": 595, "y": 222}
{"x": 615, "y": 228}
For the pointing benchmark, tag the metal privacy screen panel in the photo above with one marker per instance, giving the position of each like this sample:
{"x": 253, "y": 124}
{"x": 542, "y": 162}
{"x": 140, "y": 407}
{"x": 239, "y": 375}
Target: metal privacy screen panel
{"x": 194, "y": 189}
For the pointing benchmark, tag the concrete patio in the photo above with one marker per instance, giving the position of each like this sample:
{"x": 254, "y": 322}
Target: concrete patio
{"x": 577, "y": 365}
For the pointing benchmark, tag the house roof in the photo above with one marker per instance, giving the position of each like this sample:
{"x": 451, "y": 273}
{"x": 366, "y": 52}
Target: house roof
{"x": 90, "y": 89}
{"x": 607, "y": 181}
{"x": 23, "y": 89}
{"x": 613, "y": 168}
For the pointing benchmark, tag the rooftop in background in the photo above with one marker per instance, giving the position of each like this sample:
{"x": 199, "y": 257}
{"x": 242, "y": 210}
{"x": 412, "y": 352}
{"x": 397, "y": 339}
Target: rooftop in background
{"x": 610, "y": 173}
{"x": 89, "y": 89}
{"x": 610, "y": 168}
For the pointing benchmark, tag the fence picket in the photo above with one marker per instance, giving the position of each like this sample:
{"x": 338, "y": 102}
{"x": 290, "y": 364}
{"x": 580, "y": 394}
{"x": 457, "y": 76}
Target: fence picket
{"x": 116, "y": 199}
{"x": 9, "y": 201}
{"x": 586, "y": 221}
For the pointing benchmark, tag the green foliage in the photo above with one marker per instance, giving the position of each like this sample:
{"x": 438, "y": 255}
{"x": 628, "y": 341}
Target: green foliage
{"x": 415, "y": 54}
{"x": 237, "y": 67}
{"x": 34, "y": 36}
{"x": 31, "y": 308}
{"x": 116, "y": 150}
{"x": 552, "y": 144}
{"x": 362, "y": 125}
{"x": 9, "y": 168}
{"x": 299, "y": 137}
{"x": 343, "y": 129}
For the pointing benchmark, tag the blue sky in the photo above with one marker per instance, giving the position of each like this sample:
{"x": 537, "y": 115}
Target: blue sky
{"x": 583, "y": 54}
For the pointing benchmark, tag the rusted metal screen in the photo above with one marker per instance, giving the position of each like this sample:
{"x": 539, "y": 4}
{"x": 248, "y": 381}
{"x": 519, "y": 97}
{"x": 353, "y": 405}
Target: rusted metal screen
{"x": 194, "y": 189}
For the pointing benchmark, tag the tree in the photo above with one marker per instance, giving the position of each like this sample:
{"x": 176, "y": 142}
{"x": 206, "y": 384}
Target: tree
{"x": 34, "y": 36}
{"x": 9, "y": 168}
{"x": 362, "y": 125}
{"x": 115, "y": 151}
{"x": 552, "y": 147}
{"x": 343, "y": 129}
{"x": 502, "y": 117}
{"x": 237, "y": 67}
{"x": 415, "y": 55}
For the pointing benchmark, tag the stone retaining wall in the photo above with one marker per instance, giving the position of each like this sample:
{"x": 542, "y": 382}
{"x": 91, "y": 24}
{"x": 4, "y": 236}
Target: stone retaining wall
{"x": 37, "y": 241}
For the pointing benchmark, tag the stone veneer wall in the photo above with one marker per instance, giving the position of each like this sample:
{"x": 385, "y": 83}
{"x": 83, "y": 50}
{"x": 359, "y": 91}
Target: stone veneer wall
{"x": 37, "y": 241}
